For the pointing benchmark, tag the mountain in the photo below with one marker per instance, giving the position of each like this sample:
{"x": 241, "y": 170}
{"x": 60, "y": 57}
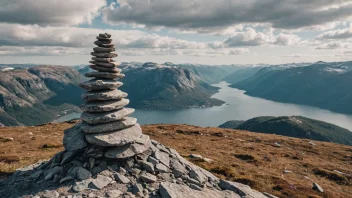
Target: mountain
{"x": 294, "y": 126}
{"x": 154, "y": 86}
{"x": 324, "y": 85}
{"x": 38, "y": 94}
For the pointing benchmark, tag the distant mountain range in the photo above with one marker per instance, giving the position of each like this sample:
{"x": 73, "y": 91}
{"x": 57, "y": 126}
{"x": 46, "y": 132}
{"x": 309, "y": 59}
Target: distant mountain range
{"x": 31, "y": 95}
{"x": 324, "y": 85}
{"x": 294, "y": 126}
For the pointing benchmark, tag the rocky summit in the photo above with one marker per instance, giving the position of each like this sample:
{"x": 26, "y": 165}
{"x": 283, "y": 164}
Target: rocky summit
{"x": 107, "y": 155}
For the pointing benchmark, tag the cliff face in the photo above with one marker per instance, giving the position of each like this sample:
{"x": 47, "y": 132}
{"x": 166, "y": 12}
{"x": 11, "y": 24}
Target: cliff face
{"x": 36, "y": 91}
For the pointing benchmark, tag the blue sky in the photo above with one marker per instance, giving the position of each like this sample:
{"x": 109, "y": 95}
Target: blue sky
{"x": 179, "y": 31}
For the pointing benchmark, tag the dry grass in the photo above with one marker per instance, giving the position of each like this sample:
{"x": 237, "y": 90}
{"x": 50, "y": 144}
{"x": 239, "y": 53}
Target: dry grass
{"x": 245, "y": 157}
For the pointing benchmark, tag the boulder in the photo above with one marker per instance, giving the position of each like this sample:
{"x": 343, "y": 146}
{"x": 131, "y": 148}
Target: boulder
{"x": 100, "y": 182}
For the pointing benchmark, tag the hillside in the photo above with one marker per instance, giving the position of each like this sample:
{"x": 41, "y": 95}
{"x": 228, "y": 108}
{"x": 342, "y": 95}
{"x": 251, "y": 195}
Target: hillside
{"x": 152, "y": 86}
{"x": 324, "y": 85}
{"x": 38, "y": 94}
{"x": 294, "y": 126}
{"x": 242, "y": 156}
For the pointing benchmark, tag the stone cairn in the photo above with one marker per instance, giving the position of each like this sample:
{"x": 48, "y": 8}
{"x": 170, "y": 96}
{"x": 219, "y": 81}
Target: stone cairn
{"x": 106, "y": 154}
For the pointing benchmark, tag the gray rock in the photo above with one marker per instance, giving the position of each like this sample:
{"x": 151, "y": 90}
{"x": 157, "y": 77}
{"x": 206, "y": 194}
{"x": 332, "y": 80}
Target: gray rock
{"x": 104, "y": 75}
{"x": 111, "y": 126}
{"x": 148, "y": 166}
{"x": 103, "y": 49}
{"x": 172, "y": 190}
{"x": 161, "y": 168}
{"x": 114, "y": 193}
{"x": 128, "y": 150}
{"x": 152, "y": 160}
{"x": 241, "y": 189}
{"x": 104, "y": 106}
{"x": 104, "y": 95}
{"x": 99, "y": 84}
{"x": 36, "y": 174}
{"x": 116, "y": 138}
{"x": 121, "y": 178}
{"x": 68, "y": 155}
{"x": 104, "y": 39}
{"x": 107, "y": 65}
{"x": 317, "y": 187}
{"x": 50, "y": 194}
{"x": 195, "y": 187}
{"x": 166, "y": 177}
{"x": 137, "y": 188}
{"x": 104, "y": 55}
{"x": 83, "y": 174}
{"x": 49, "y": 174}
{"x": 100, "y": 182}
{"x": 148, "y": 178}
{"x": 102, "y": 43}
{"x": 105, "y": 35}
{"x": 163, "y": 158}
{"x": 269, "y": 195}
{"x": 198, "y": 175}
{"x": 105, "y": 69}
{"x": 177, "y": 173}
{"x": 65, "y": 179}
{"x": 74, "y": 138}
{"x": 105, "y": 60}
{"x": 99, "y": 118}
{"x": 81, "y": 186}
{"x": 195, "y": 156}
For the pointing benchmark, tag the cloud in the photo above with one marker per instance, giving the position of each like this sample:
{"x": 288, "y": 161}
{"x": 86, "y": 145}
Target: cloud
{"x": 203, "y": 15}
{"x": 287, "y": 39}
{"x": 50, "y": 12}
{"x": 41, "y": 51}
{"x": 334, "y": 45}
{"x": 336, "y": 34}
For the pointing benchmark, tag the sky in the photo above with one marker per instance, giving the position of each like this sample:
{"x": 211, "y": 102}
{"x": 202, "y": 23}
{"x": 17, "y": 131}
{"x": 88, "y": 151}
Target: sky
{"x": 180, "y": 31}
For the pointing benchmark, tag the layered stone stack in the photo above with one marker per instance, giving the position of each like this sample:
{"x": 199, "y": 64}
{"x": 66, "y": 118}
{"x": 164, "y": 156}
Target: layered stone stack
{"x": 106, "y": 154}
{"x": 104, "y": 118}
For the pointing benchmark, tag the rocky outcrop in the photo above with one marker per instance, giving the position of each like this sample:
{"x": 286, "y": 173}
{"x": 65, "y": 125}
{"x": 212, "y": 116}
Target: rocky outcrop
{"x": 112, "y": 158}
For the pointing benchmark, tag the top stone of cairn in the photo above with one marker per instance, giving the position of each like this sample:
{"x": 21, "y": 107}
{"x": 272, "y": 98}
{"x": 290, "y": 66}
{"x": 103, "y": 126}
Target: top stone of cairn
{"x": 105, "y": 121}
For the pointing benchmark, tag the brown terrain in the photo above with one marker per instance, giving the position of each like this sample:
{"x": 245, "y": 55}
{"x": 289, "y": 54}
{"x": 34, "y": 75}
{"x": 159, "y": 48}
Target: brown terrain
{"x": 250, "y": 158}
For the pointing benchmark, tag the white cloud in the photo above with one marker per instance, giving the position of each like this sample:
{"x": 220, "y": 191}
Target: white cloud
{"x": 287, "y": 39}
{"x": 41, "y": 51}
{"x": 334, "y": 45}
{"x": 210, "y": 15}
{"x": 336, "y": 34}
{"x": 50, "y": 12}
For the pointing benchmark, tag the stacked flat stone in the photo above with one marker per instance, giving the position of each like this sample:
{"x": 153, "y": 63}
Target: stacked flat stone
{"x": 105, "y": 120}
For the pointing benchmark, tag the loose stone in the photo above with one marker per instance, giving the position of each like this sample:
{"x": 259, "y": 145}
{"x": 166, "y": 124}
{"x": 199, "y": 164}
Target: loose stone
{"x": 102, "y": 49}
{"x": 104, "y": 95}
{"x": 99, "y": 118}
{"x": 104, "y": 55}
{"x": 104, "y": 75}
{"x": 105, "y": 69}
{"x": 104, "y": 106}
{"x": 100, "y": 85}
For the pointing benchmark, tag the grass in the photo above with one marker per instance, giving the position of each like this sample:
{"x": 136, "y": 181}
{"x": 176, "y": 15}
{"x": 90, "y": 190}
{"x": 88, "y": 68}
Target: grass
{"x": 240, "y": 156}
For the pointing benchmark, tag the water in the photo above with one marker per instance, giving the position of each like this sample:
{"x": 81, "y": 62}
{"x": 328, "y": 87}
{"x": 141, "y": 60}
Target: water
{"x": 238, "y": 107}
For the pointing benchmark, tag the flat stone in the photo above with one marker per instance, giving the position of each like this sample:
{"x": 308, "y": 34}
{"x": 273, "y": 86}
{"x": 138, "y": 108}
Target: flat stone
{"x": 103, "y": 38}
{"x": 101, "y": 43}
{"x": 81, "y": 186}
{"x": 106, "y": 60}
{"x": 269, "y": 195}
{"x": 104, "y": 64}
{"x": 74, "y": 138}
{"x": 83, "y": 174}
{"x": 105, "y": 69}
{"x": 68, "y": 155}
{"x": 195, "y": 156}
{"x": 65, "y": 179}
{"x": 195, "y": 187}
{"x": 148, "y": 166}
{"x": 50, "y": 194}
{"x": 99, "y": 118}
{"x": 241, "y": 189}
{"x": 317, "y": 187}
{"x": 103, "y": 55}
{"x": 161, "y": 168}
{"x": 104, "y": 106}
{"x": 49, "y": 174}
{"x": 116, "y": 138}
{"x": 137, "y": 188}
{"x": 96, "y": 84}
{"x": 103, "y": 49}
{"x": 104, "y": 75}
{"x": 100, "y": 182}
{"x": 114, "y": 193}
{"x": 172, "y": 190}
{"x": 126, "y": 151}
{"x": 104, "y": 95}
{"x": 175, "y": 164}
{"x": 148, "y": 178}
{"x": 121, "y": 178}
{"x": 163, "y": 158}
{"x": 153, "y": 160}
{"x": 198, "y": 175}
